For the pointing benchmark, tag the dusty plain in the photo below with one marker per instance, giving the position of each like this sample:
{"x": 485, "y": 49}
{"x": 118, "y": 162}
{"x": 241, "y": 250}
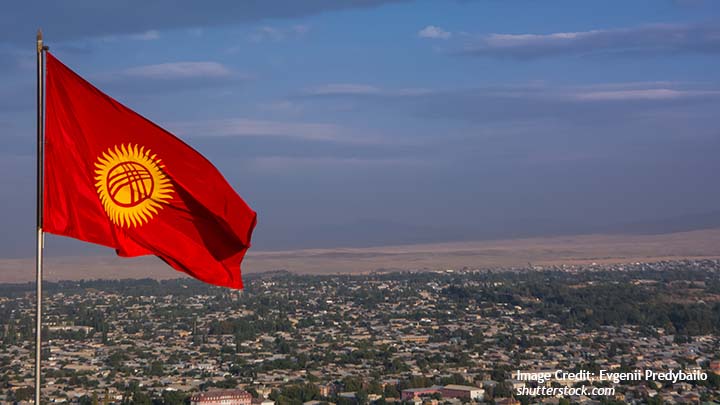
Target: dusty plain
{"x": 540, "y": 251}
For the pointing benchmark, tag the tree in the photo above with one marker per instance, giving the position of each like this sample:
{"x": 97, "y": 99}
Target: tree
{"x": 656, "y": 400}
{"x": 375, "y": 388}
{"x": 174, "y": 397}
{"x": 24, "y": 394}
{"x": 391, "y": 391}
{"x": 252, "y": 391}
{"x": 141, "y": 399}
{"x": 156, "y": 369}
{"x": 362, "y": 397}
{"x": 352, "y": 383}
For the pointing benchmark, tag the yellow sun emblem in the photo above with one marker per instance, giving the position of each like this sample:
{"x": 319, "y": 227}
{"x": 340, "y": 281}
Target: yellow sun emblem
{"x": 131, "y": 184}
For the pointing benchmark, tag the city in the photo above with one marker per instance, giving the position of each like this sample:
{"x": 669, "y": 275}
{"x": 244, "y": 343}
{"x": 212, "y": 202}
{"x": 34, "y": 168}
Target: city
{"x": 448, "y": 336}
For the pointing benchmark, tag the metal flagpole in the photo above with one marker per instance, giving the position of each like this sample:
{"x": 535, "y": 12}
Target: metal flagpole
{"x": 39, "y": 209}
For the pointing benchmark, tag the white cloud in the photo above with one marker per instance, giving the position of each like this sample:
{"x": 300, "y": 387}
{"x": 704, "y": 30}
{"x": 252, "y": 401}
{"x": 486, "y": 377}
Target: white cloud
{"x": 301, "y": 29}
{"x": 282, "y": 106}
{"x": 284, "y": 163}
{"x": 343, "y": 89}
{"x": 359, "y": 89}
{"x": 643, "y": 94}
{"x": 655, "y": 38}
{"x": 535, "y": 90}
{"x": 275, "y": 34}
{"x": 252, "y": 127}
{"x": 311, "y": 131}
{"x": 196, "y": 32}
{"x": 510, "y": 40}
{"x": 179, "y": 70}
{"x": 267, "y": 33}
{"x": 146, "y": 36}
{"x": 434, "y": 32}
{"x": 149, "y": 35}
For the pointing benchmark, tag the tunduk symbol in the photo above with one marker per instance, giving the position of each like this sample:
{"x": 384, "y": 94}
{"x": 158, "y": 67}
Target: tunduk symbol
{"x": 129, "y": 184}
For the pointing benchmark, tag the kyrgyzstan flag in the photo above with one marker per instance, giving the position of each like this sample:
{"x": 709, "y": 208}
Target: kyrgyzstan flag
{"x": 114, "y": 178}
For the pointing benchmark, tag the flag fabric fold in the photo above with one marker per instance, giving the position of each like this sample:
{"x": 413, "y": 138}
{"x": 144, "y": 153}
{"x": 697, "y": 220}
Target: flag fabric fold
{"x": 114, "y": 178}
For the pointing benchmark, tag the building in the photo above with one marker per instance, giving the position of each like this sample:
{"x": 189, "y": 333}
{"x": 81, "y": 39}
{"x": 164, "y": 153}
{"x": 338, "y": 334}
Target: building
{"x": 414, "y": 338}
{"x": 462, "y": 392}
{"x": 224, "y": 397}
{"x": 413, "y": 393}
{"x": 326, "y": 389}
{"x": 715, "y": 366}
{"x": 506, "y": 401}
{"x": 262, "y": 401}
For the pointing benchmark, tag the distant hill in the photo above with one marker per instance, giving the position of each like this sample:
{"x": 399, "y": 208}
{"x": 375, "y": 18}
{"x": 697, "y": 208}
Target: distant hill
{"x": 373, "y": 232}
{"x": 540, "y": 251}
{"x": 708, "y": 220}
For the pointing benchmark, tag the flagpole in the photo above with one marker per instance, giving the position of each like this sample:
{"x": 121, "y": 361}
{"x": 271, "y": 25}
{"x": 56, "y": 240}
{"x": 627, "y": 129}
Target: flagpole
{"x": 39, "y": 209}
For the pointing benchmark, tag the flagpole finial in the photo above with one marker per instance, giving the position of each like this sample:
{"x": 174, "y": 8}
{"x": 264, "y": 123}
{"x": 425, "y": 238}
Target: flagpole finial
{"x": 39, "y": 41}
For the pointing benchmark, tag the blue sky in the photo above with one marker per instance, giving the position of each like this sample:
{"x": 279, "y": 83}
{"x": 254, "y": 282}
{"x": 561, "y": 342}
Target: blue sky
{"x": 360, "y": 122}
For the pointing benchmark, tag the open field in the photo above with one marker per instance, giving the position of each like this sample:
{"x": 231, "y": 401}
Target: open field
{"x": 580, "y": 249}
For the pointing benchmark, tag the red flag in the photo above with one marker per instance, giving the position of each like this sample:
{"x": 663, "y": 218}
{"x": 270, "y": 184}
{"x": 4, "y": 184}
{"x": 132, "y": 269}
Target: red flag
{"x": 114, "y": 178}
